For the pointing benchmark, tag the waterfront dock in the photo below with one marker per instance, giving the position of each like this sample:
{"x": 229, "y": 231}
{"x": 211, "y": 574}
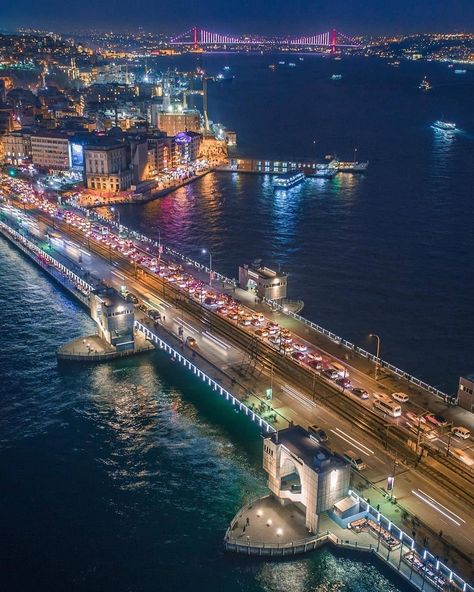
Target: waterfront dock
{"x": 266, "y": 528}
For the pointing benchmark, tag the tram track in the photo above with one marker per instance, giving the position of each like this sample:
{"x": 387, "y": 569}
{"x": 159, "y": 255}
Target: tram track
{"x": 456, "y": 479}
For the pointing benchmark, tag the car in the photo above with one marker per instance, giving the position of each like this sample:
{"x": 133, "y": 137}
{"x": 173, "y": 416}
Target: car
{"x": 190, "y": 341}
{"x": 331, "y": 373}
{"x": 315, "y": 356}
{"x": 315, "y": 365}
{"x": 298, "y": 356}
{"x": 154, "y": 314}
{"x": 401, "y": 397}
{"x": 345, "y": 383}
{"x": 436, "y": 419}
{"x": 412, "y": 416}
{"x": 261, "y": 333}
{"x": 318, "y": 433}
{"x": 143, "y": 307}
{"x": 354, "y": 460}
{"x": 300, "y": 347}
{"x": 460, "y": 432}
{"x": 360, "y": 392}
{"x": 131, "y": 298}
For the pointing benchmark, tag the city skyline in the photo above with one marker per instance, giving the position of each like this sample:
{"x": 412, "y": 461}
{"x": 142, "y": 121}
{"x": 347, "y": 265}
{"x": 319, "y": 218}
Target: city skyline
{"x": 357, "y": 17}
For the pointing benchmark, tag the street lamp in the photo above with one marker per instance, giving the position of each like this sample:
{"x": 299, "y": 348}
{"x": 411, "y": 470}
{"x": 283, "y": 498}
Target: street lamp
{"x": 377, "y": 354}
{"x": 112, "y": 209}
{"x": 204, "y": 251}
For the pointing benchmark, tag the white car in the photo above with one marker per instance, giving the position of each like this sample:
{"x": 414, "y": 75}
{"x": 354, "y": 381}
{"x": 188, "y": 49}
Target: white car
{"x": 401, "y": 397}
{"x": 461, "y": 432}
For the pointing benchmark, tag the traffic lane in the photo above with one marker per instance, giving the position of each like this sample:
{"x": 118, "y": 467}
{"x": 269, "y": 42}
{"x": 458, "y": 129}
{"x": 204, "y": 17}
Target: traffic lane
{"x": 76, "y": 252}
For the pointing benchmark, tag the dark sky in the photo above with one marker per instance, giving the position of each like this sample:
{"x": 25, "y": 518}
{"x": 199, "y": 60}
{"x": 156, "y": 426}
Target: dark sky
{"x": 240, "y": 16}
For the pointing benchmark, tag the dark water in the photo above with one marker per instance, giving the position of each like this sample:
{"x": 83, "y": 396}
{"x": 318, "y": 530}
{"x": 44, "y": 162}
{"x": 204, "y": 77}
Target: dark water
{"x": 123, "y": 477}
{"x": 391, "y": 252}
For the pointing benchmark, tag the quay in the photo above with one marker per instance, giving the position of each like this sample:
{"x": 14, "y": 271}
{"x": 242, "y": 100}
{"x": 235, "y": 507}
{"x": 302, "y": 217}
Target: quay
{"x": 311, "y": 503}
{"x": 279, "y": 167}
{"x": 238, "y": 372}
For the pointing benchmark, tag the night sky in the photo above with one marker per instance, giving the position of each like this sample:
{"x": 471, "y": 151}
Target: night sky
{"x": 241, "y": 16}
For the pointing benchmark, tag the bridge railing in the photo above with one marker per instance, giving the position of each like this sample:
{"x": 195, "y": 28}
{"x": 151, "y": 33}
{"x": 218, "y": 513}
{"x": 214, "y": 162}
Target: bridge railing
{"x": 360, "y": 351}
{"x": 42, "y": 257}
{"x": 182, "y": 359}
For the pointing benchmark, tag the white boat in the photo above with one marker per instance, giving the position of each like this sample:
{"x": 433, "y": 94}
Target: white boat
{"x": 288, "y": 180}
{"x": 353, "y": 167}
{"x": 336, "y": 77}
{"x": 325, "y": 173}
{"x": 445, "y": 126}
{"x": 461, "y": 71}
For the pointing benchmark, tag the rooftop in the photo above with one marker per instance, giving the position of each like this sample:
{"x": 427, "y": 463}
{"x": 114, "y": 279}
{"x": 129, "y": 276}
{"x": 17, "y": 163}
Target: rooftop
{"x": 299, "y": 443}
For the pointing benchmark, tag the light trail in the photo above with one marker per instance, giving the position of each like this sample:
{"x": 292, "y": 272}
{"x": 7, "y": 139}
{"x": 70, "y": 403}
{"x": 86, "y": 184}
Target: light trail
{"x": 437, "y": 506}
{"x": 298, "y": 396}
{"x": 352, "y": 441}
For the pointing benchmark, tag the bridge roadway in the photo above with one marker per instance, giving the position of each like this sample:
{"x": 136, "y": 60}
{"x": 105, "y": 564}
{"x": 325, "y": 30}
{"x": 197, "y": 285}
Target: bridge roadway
{"x": 349, "y": 425}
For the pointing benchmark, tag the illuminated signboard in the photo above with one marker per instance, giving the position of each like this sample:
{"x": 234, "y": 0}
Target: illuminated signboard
{"x": 77, "y": 155}
{"x": 182, "y": 138}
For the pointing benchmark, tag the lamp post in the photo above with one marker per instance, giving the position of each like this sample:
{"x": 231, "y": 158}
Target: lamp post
{"x": 159, "y": 244}
{"x": 377, "y": 354}
{"x": 204, "y": 251}
{"x": 112, "y": 209}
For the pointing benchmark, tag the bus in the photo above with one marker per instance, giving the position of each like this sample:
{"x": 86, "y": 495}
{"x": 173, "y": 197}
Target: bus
{"x": 389, "y": 407}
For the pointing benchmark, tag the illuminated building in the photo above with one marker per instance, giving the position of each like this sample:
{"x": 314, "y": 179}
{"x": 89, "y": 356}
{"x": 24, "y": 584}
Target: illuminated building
{"x": 173, "y": 122}
{"x": 115, "y": 318}
{"x": 106, "y": 167}
{"x": 266, "y": 282}
{"x": 16, "y": 147}
{"x": 303, "y": 472}
{"x": 50, "y": 151}
{"x": 188, "y": 145}
{"x": 466, "y": 392}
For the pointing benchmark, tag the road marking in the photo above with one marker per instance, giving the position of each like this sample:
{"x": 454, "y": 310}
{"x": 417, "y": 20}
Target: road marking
{"x": 298, "y": 396}
{"x": 120, "y": 275}
{"x": 215, "y": 340}
{"x": 352, "y": 442}
{"x": 187, "y": 326}
{"x": 437, "y": 506}
{"x": 356, "y": 441}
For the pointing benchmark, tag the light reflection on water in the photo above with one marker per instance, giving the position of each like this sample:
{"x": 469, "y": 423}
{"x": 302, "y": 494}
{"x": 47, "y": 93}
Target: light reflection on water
{"x": 124, "y": 476}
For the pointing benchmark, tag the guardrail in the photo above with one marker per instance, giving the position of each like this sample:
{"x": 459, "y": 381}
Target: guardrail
{"x": 179, "y": 357}
{"x": 358, "y": 350}
{"x": 168, "y": 250}
{"x": 75, "y": 284}
{"x": 276, "y": 305}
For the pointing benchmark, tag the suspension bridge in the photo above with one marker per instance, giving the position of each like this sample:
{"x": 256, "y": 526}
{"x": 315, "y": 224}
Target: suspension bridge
{"x": 197, "y": 37}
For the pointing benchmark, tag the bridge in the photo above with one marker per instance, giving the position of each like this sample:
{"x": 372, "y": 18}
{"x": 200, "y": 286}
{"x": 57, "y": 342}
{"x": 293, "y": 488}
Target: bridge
{"x": 238, "y": 368}
{"x": 198, "y": 37}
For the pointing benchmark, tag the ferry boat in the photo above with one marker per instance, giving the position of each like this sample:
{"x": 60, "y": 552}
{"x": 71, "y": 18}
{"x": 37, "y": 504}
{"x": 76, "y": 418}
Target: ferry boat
{"x": 289, "y": 179}
{"x": 282, "y": 63}
{"x": 325, "y": 173}
{"x": 461, "y": 71}
{"x": 444, "y": 126}
{"x": 291, "y": 64}
{"x": 272, "y": 66}
{"x": 424, "y": 84}
{"x": 336, "y": 77}
{"x": 353, "y": 167}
